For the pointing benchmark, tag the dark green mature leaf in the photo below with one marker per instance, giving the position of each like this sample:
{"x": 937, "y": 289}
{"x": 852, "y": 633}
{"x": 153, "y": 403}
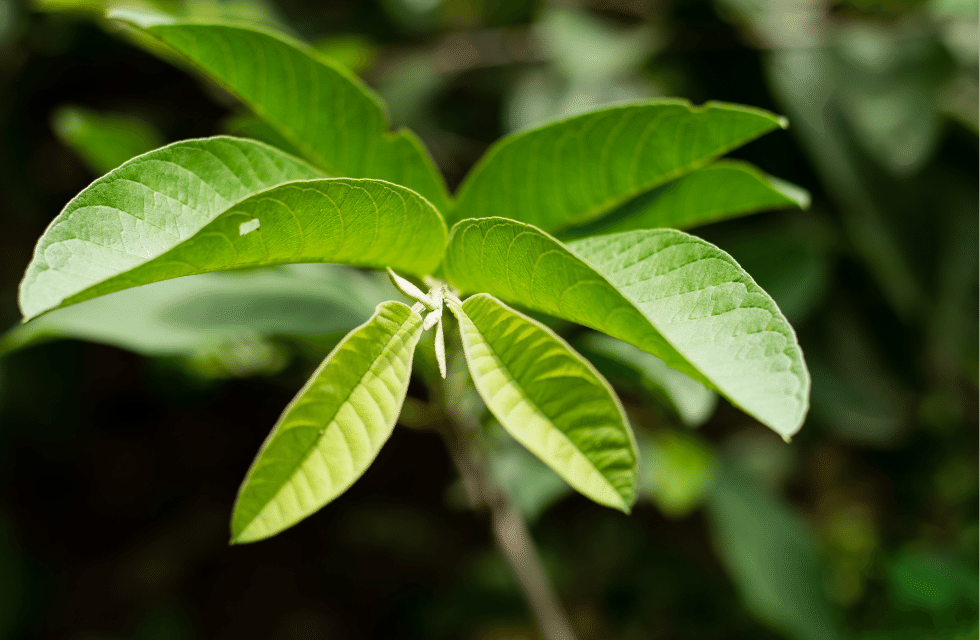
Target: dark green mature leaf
{"x": 664, "y": 291}
{"x": 571, "y": 171}
{"x": 133, "y": 227}
{"x": 332, "y": 431}
{"x": 320, "y": 107}
{"x": 551, "y": 399}
{"x": 723, "y": 190}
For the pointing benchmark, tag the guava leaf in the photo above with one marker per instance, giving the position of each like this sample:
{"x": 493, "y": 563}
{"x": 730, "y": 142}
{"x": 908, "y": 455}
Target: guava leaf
{"x": 190, "y": 315}
{"x": 550, "y": 399}
{"x": 569, "y": 172}
{"x": 141, "y": 209}
{"x": 320, "y": 107}
{"x": 332, "y": 431}
{"x": 154, "y": 219}
{"x": 722, "y": 190}
{"x": 671, "y": 294}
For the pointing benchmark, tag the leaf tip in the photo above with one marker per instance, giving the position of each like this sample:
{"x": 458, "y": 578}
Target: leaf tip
{"x": 783, "y": 121}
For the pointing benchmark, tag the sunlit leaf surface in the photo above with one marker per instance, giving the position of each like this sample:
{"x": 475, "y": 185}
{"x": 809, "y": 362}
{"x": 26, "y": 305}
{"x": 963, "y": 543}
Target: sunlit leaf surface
{"x": 157, "y": 218}
{"x": 550, "y": 399}
{"x": 333, "y": 429}
{"x": 571, "y": 171}
{"x": 664, "y": 291}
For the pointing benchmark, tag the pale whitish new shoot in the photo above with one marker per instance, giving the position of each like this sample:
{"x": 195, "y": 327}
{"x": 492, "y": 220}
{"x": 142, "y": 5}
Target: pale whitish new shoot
{"x": 434, "y": 301}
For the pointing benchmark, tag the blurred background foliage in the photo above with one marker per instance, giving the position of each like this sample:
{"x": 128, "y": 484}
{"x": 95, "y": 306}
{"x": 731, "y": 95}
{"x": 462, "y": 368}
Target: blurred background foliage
{"x": 121, "y": 447}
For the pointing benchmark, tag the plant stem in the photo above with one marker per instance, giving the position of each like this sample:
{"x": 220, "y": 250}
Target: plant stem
{"x": 461, "y": 432}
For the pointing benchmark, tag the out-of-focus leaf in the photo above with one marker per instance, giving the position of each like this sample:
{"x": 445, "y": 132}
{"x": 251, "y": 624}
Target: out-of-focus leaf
{"x": 246, "y": 125}
{"x": 685, "y": 398}
{"x": 352, "y": 51}
{"x": 317, "y": 105}
{"x": 789, "y": 262}
{"x": 196, "y": 314}
{"x": 664, "y": 291}
{"x": 888, "y": 85}
{"x": 571, "y": 171}
{"x": 550, "y": 399}
{"x": 584, "y": 47}
{"x": 675, "y": 471}
{"x": 104, "y": 140}
{"x": 723, "y": 190}
{"x": 772, "y": 558}
{"x": 332, "y": 431}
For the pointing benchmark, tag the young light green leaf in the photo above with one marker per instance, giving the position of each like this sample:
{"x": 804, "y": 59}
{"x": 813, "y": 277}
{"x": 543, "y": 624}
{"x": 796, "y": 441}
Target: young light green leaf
{"x": 572, "y": 171}
{"x": 550, "y": 399}
{"x": 133, "y": 228}
{"x": 332, "y": 431}
{"x": 722, "y": 190}
{"x": 664, "y": 291}
{"x": 318, "y": 106}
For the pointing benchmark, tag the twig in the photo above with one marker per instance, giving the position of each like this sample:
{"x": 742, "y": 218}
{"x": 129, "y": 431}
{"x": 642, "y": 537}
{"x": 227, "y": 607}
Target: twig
{"x": 461, "y": 432}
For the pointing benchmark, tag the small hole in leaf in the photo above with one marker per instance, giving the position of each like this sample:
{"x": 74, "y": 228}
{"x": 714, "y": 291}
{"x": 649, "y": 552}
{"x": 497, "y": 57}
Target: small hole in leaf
{"x": 249, "y": 227}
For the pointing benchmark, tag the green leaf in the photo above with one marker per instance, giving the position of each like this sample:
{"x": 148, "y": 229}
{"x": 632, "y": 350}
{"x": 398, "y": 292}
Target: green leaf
{"x": 332, "y": 431}
{"x": 571, "y": 171}
{"x": 723, "y": 190}
{"x": 550, "y": 399}
{"x": 687, "y": 400}
{"x": 664, "y": 291}
{"x": 104, "y": 140}
{"x": 188, "y": 315}
{"x": 772, "y": 558}
{"x": 320, "y": 107}
{"x": 154, "y": 219}
{"x": 676, "y": 472}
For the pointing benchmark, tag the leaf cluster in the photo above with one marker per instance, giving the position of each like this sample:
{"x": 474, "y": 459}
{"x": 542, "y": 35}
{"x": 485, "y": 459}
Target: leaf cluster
{"x": 577, "y": 219}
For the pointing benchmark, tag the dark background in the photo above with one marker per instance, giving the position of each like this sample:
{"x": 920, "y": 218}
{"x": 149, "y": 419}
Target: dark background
{"x": 118, "y": 471}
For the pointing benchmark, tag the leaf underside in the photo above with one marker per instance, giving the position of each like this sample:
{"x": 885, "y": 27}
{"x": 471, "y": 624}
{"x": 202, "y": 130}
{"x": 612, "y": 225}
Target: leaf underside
{"x": 664, "y": 291}
{"x": 320, "y": 108}
{"x": 121, "y": 233}
{"x": 568, "y": 172}
{"x": 551, "y": 400}
{"x": 332, "y": 431}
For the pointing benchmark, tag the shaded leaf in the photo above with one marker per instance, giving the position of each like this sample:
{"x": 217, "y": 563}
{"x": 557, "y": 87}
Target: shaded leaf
{"x": 676, "y": 471}
{"x": 723, "y": 190}
{"x": 686, "y": 398}
{"x": 332, "y": 431}
{"x": 104, "y": 140}
{"x": 772, "y": 558}
{"x": 664, "y": 291}
{"x": 550, "y": 399}
{"x": 320, "y": 107}
{"x": 571, "y": 171}
{"x": 127, "y": 229}
{"x": 186, "y": 315}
